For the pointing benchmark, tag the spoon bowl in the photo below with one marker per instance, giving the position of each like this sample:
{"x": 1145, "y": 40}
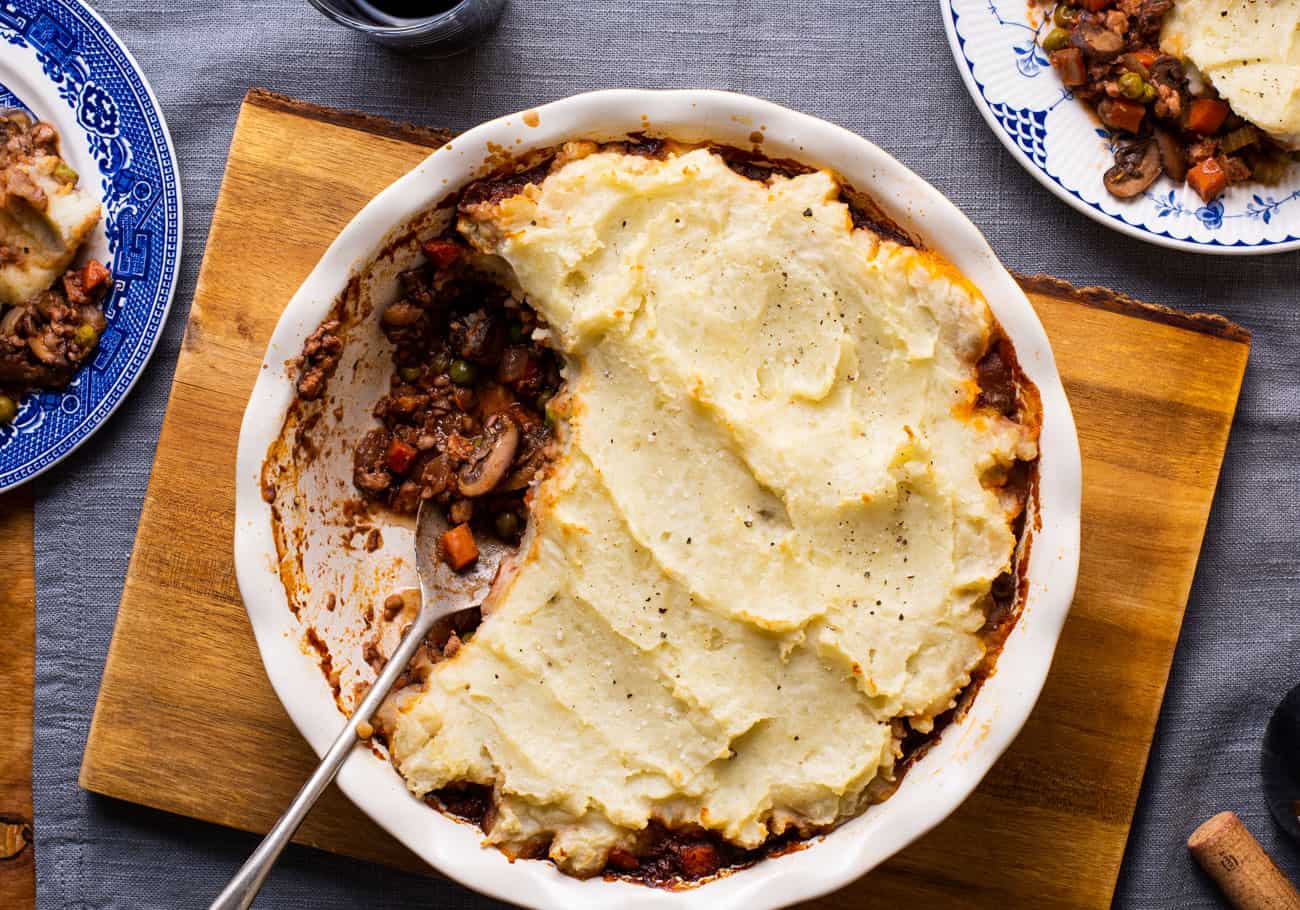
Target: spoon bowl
{"x": 441, "y": 587}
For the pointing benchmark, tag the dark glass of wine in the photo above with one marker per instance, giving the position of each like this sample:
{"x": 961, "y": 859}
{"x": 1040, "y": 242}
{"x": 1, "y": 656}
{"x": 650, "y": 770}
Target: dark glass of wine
{"x": 413, "y": 9}
{"x": 1280, "y": 764}
{"x": 427, "y": 28}
{"x": 382, "y": 10}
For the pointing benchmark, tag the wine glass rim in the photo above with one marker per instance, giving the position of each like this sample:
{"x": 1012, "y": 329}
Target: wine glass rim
{"x": 416, "y": 26}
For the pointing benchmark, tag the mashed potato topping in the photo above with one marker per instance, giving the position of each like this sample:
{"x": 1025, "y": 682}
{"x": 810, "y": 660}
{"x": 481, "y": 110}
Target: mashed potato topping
{"x": 767, "y": 546}
{"x": 1250, "y": 51}
{"x": 45, "y": 217}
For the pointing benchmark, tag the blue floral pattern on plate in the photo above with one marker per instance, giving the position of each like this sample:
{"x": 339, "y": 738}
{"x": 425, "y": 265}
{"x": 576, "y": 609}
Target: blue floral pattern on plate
{"x": 63, "y": 54}
{"x": 995, "y": 43}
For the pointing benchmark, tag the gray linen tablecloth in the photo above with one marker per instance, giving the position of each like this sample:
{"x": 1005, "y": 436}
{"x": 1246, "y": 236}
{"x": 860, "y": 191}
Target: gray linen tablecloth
{"x": 880, "y": 68}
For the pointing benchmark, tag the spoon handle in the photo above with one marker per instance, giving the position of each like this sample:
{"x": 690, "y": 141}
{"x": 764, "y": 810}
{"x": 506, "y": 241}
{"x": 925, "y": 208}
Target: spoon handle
{"x": 243, "y": 888}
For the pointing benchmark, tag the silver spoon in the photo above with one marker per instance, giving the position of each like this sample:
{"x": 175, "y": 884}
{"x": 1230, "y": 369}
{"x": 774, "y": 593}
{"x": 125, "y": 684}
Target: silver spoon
{"x": 442, "y": 593}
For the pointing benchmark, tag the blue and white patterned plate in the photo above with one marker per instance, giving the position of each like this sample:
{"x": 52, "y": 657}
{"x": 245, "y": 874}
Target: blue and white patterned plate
{"x": 1060, "y": 142}
{"x": 61, "y": 62}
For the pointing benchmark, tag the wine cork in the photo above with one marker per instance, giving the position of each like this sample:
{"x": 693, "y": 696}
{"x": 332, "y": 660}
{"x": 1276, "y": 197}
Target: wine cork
{"x": 1231, "y": 856}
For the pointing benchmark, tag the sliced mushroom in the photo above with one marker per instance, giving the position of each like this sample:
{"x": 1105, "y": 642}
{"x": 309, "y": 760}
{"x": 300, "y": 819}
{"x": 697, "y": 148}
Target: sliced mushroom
{"x": 493, "y": 457}
{"x": 46, "y": 304}
{"x": 401, "y": 313}
{"x": 20, "y": 183}
{"x": 16, "y": 115}
{"x": 9, "y": 322}
{"x": 1137, "y": 165}
{"x": 524, "y": 474}
{"x": 1168, "y": 71}
{"x": 43, "y": 347}
{"x": 1096, "y": 42}
{"x": 1150, "y": 16}
{"x": 1131, "y": 63}
{"x": 1172, "y": 156}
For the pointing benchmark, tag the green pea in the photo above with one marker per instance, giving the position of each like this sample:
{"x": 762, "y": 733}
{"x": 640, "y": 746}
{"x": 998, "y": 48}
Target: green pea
{"x": 1057, "y": 39}
{"x": 86, "y": 335}
{"x": 409, "y": 374}
{"x": 1148, "y": 93}
{"x": 507, "y": 524}
{"x": 462, "y": 372}
{"x": 8, "y": 408}
{"x": 1065, "y": 16}
{"x": 1131, "y": 86}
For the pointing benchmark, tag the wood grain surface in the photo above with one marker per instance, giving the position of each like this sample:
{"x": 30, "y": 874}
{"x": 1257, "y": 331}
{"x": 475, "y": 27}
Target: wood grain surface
{"x": 17, "y": 679}
{"x": 187, "y": 722}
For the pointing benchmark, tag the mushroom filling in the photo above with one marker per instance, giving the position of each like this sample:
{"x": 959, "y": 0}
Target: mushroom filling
{"x": 464, "y": 421}
{"x": 1119, "y": 57}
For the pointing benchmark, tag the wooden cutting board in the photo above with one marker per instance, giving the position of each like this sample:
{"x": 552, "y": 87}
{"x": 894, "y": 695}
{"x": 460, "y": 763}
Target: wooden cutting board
{"x": 187, "y": 722}
{"x": 17, "y": 681}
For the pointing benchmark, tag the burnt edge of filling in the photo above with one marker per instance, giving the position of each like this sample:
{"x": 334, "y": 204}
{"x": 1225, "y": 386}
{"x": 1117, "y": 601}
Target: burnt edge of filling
{"x": 683, "y": 857}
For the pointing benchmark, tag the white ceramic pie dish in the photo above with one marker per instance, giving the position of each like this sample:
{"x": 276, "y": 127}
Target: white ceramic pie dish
{"x": 932, "y": 789}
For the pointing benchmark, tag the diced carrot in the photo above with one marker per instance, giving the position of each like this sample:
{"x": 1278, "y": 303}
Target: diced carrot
{"x": 458, "y": 547}
{"x": 93, "y": 274}
{"x": 1208, "y": 179}
{"x": 1069, "y": 63}
{"x": 442, "y": 253}
{"x": 400, "y": 455}
{"x": 1095, "y": 6}
{"x": 1146, "y": 57}
{"x": 623, "y": 860}
{"x": 1121, "y": 115}
{"x": 699, "y": 860}
{"x": 1206, "y": 115}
